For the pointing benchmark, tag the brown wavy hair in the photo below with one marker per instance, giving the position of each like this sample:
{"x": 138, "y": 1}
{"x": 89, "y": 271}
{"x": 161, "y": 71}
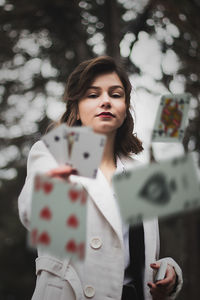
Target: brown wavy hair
{"x": 77, "y": 84}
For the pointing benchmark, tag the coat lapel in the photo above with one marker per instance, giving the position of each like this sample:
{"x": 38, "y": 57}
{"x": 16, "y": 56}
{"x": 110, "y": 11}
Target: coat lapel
{"x": 103, "y": 196}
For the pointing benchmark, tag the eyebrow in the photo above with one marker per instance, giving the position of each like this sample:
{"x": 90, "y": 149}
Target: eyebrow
{"x": 110, "y": 87}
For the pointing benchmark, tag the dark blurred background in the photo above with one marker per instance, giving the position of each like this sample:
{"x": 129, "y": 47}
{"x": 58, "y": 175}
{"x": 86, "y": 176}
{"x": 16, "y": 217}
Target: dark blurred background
{"x": 41, "y": 41}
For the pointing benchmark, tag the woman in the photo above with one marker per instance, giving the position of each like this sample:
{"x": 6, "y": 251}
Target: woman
{"x": 98, "y": 95}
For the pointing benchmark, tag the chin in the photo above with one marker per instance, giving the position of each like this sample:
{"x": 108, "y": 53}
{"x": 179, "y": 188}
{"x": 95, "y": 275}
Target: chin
{"x": 105, "y": 130}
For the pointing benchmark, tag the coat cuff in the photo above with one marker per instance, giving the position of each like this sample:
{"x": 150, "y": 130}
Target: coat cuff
{"x": 179, "y": 281}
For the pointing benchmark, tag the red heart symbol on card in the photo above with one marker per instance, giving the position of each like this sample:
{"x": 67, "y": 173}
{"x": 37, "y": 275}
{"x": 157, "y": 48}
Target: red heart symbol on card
{"x": 73, "y": 195}
{"x": 44, "y": 238}
{"x": 47, "y": 187}
{"x": 71, "y": 246}
{"x": 45, "y": 213}
{"x": 73, "y": 221}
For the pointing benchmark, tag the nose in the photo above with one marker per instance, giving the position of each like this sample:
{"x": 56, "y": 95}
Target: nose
{"x": 105, "y": 101}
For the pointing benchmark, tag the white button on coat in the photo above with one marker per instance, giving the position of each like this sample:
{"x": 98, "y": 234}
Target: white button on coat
{"x": 89, "y": 291}
{"x": 95, "y": 242}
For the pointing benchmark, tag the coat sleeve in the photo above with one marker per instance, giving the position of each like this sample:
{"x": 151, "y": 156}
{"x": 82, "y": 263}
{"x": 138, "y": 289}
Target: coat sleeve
{"x": 178, "y": 271}
{"x": 39, "y": 161}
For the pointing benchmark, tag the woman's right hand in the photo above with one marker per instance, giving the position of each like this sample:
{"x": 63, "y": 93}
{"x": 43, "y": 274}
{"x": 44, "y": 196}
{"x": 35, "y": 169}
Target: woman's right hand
{"x": 62, "y": 172}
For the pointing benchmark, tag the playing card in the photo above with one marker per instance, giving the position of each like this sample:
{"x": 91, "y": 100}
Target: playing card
{"x": 58, "y": 218}
{"x": 164, "y": 151}
{"x": 157, "y": 190}
{"x": 171, "y": 118}
{"x": 54, "y": 141}
{"x": 71, "y": 136}
{"x": 79, "y": 147}
{"x": 160, "y": 274}
{"x": 85, "y": 149}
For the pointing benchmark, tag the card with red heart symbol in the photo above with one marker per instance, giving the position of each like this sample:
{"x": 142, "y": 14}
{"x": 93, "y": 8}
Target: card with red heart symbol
{"x": 58, "y": 218}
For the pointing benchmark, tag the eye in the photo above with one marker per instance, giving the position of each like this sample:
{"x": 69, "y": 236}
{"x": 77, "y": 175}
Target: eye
{"x": 92, "y": 95}
{"x": 116, "y": 95}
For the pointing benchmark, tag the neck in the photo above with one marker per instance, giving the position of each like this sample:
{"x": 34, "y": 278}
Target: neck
{"x": 108, "y": 164}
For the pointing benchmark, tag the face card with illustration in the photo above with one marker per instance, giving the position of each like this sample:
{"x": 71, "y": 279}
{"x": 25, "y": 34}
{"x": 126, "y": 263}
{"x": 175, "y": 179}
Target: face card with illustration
{"x": 157, "y": 190}
{"x": 85, "y": 150}
{"x": 171, "y": 118}
{"x": 71, "y": 137}
{"x": 58, "y": 218}
{"x": 55, "y": 142}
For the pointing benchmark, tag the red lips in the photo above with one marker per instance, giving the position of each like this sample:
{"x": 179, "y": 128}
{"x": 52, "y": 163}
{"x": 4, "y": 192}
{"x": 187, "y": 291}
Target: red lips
{"x": 106, "y": 114}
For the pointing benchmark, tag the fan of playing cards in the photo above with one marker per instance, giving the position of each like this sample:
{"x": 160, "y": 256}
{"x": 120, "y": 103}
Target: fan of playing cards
{"x": 79, "y": 147}
{"x": 58, "y": 214}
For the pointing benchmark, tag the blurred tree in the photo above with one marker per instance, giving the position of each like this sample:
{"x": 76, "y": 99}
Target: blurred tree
{"x": 41, "y": 42}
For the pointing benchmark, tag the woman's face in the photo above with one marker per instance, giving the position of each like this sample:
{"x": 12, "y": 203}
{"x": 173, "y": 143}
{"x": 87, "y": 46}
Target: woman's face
{"x": 103, "y": 106}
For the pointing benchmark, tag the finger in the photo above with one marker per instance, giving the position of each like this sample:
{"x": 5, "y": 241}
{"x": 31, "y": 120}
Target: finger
{"x": 157, "y": 293}
{"x": 62, "y": 171}
{"x": 151, "y": 285}
{"x": 170, "y": 277}
{"x": 155, "y": 266}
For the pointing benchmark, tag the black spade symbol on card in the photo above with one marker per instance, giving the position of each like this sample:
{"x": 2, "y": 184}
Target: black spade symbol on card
{"x": 56, "y": 138}
{"x": 157, "y": 190}
{"x": 86, "y": 155}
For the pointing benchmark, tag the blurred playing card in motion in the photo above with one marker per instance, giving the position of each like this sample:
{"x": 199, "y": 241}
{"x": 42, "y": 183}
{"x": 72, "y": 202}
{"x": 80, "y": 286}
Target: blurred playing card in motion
{"x": 164, "y": 151}
{"x": 58, "y": 218}
{"x": 157, "y": 189}
{"x": 171, "y": 118}
{"x": 54, "y": 141}
{"x": 79, "y": 147}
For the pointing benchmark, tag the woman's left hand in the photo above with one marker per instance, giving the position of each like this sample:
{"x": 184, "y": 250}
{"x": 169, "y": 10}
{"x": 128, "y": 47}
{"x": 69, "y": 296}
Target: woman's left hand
{"x": 163, "y": 288}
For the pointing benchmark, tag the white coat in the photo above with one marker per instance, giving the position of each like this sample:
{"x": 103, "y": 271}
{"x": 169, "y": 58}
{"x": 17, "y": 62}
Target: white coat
{"x": 101, "y": 275}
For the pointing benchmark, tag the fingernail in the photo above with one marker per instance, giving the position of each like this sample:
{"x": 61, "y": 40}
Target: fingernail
{"x": 153, "y": 265}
